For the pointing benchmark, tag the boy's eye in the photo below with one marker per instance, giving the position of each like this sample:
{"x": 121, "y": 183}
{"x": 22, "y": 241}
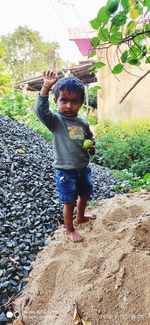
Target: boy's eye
{"x": 64, "y": 101}
{"x": 73, "y": 101}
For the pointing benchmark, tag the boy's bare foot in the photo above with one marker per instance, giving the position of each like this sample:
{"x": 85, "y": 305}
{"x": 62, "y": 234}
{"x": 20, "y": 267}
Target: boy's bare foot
{"x": 86, "y": 218}
{"x": 75, "y": 236}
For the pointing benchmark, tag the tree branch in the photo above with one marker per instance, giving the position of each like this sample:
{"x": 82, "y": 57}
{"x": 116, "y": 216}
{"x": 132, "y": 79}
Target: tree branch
{"x": 131, "y": 37}
{"x": 134, "y": 86}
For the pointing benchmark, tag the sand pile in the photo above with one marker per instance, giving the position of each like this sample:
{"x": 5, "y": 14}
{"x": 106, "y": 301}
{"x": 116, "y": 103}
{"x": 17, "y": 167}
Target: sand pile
{"x": 107, "y": 278}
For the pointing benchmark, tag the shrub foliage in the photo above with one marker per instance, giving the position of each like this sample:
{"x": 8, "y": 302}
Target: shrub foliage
{"x": 124, "y": 145}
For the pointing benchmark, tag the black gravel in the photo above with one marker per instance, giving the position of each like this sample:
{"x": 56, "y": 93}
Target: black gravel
{"x": 29, "y": 210}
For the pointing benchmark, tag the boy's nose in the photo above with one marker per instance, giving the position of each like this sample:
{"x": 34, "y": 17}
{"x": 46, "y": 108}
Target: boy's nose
{"x": 69, "y": 104}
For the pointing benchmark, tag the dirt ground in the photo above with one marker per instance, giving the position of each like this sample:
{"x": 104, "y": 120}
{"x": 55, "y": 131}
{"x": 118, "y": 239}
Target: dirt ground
{"x": 105, "y": 280}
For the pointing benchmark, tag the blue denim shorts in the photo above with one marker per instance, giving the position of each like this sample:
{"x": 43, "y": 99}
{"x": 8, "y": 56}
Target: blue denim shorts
{"x": 73, "y": 183}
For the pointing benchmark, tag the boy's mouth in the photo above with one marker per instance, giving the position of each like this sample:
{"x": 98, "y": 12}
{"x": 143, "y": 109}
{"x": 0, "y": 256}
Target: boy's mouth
{"x": 69, "y": 113}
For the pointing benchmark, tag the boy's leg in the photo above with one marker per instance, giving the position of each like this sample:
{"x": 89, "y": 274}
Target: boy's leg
{"x": 68, "y": 219}
{"x": 66, "y": 185}
{"x": 85, "y": 190}
{"x": 81, "y": 206}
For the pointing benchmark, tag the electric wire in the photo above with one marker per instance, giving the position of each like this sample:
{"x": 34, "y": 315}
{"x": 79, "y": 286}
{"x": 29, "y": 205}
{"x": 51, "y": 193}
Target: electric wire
{"x": 40, "y": 14}
{"x": 57, "y": 13}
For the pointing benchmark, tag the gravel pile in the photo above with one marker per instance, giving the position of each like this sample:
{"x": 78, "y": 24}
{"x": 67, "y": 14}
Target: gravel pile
{"x": 29, "y": 210}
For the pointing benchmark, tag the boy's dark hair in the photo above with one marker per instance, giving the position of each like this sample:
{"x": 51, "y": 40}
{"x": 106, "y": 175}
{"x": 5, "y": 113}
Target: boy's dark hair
{"x": 71, "y": 84}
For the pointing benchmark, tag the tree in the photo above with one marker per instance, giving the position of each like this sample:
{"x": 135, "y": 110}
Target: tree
{"x": 5, "y": 77}
{"x": 27, "y": 55}
{"x": 124, "y": 24}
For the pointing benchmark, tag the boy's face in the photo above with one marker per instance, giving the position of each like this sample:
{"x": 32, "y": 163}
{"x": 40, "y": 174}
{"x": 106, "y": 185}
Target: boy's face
{"x": 68, "y": 103}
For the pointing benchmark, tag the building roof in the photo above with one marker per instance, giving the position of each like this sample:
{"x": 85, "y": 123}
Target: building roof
{"x": 81, "y": 32}
{"x": 82, "y": 36}
{"x": 81, "y": 71}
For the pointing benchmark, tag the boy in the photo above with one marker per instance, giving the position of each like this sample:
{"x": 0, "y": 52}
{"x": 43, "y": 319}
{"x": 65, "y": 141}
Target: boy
{"x": 73, "y": 176}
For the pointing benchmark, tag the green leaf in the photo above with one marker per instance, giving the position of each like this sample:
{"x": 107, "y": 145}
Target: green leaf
{"x": 147, "y": 27}
{"x": 146, "y": 178}
{"x": 94, "y": 89}
{"x": 96, "y": 65}
{"x": 134, "y": 62}
{"x": 139, "y": 38}
{"x": 135, "y": 51}
{"x": 103, "y": 15}
{"x": 112, "y": 5}
{"x": 92, "y": 53}
{"x": 95, "y": 41}
{"x": 95, "y": 24}
{"x": 124, "y": 56}
{"x": 114, "y": 28}
{"x": 103, "y": 34}
{"x": 99, "y": 65}
{"x": 116, "y": 38}
{"x": 140, "y": 10}
{"x": 147, "y": 60}
{"x": 144, "y": 50}
{"x": 119, "y": 19}
{"x": 147, "y": 4}
{"x": 118, "y": 68}
{"x": 125, "y": 4}
{"x": 130, "y": 28}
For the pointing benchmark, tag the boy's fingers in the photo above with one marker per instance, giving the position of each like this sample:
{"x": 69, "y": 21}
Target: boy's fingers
{"x": 50, "y": 74}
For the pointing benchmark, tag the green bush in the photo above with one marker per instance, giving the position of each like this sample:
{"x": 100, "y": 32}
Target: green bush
{"x": 141, "y": 167}
{"x": 112, "y": 153}
{"x": 129, "y": 182}
{"x": 91, "y": 119}
{"x": 19, "y": 106}
{"x": 124, "y": 145}
{"x": 16, "y": 104}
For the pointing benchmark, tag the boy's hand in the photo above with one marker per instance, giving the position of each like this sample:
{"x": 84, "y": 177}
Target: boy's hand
{"x": 91, "y": 150}
{"x": 50, "y": 78}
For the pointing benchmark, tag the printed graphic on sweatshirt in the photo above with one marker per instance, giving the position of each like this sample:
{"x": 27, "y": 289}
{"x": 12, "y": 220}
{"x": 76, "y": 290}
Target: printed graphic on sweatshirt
{"x": 76, "y": 132}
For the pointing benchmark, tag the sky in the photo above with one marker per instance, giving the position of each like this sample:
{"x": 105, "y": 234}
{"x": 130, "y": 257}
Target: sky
{"x": 51, "y": 18}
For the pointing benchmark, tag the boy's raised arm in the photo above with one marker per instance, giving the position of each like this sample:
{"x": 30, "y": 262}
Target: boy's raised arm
{"x": 42, "y": 106}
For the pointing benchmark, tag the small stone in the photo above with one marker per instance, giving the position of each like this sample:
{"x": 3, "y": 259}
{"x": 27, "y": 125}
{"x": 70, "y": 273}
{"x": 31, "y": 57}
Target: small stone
{"x": 100, "y": 298}
{"x": 9, "y": 314}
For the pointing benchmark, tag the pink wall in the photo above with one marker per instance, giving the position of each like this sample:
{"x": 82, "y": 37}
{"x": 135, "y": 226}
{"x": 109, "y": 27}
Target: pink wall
{"x": 82, "y": 35}
{"x": 84, "y": 46}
